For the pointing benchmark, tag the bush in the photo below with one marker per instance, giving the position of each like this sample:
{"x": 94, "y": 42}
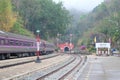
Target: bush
{"x": 92, "y": 49}
{"x": 19, "y": 29}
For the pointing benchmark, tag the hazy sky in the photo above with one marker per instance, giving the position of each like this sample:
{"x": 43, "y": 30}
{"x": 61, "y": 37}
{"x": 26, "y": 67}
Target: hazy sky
{"x": 84, "y": 5}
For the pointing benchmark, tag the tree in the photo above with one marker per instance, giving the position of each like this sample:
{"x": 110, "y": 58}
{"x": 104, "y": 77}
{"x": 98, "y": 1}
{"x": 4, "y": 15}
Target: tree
{"x": 7, "y": 17}
{"x": 45, "y": 15}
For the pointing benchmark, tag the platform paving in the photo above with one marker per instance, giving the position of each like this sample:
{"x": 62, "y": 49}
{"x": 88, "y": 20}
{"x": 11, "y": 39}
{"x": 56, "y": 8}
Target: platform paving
{"x": 101, "y": 68}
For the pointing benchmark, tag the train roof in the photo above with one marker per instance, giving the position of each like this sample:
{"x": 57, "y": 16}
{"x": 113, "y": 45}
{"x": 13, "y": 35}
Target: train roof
{"x": 17, "y": 36}
{"x": 12, "y": 35}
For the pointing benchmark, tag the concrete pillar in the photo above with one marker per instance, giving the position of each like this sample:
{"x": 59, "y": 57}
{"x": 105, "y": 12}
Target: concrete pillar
{"x": 96, "y": 51}
{"x": 108, "y": 51}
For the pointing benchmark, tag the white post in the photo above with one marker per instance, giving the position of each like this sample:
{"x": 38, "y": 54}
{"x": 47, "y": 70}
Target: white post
{"x": 38, "y": 47}
{"x": 70, "y": 42}
{"x": 96, "y": 51}
{"x": 108, "y": 51}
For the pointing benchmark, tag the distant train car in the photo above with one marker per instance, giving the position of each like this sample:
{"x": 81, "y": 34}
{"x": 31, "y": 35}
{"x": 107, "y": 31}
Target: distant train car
{"x": 12, "y": 45}
{"x": 46, "y": 47}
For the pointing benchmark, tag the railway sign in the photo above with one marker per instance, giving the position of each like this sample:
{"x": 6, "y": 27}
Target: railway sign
{"x": 102, "y": 45}
{"x": 102, "y": 48}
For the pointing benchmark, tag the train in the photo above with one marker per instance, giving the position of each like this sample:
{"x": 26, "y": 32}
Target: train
{"x": 14, "y": 45}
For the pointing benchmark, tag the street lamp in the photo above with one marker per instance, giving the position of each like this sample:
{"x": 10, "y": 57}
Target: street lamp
{"x": 58, "y": 35}
{"x": 70, "y": 42}
{"x": 38, "y": 46}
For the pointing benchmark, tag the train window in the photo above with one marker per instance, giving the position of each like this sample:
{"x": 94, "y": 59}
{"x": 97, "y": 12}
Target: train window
{"x": 17, "y": 43}
{"x": 25, "y": 44}
{"x": 41, "y": 44}
{"x": 35, "y": 44}
{"x": 2, "y": 41}
{"x": 31, "y": 43}
{"x": 28, "y": 44}
{"x": 21, "y": 43}
{"x": 11, "y": 42}
{"x": 6, "y": 42}
{"x": 46, "y": 45}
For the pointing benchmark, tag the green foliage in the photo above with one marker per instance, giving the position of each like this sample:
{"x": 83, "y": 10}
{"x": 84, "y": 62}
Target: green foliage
{"x": 92, "y": 49}
{"x": 19, "y": 29}
{"x": 104, "y": 19}
{"x": 6, "y": 15}
{"x": 45, "y": 15}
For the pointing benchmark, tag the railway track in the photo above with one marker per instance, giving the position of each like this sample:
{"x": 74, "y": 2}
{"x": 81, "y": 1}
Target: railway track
{"x": 62, "y": 72}
{"x": 32, "y": 71}
{"x": 14, "y": 62}
{"x": 56, "y": 72}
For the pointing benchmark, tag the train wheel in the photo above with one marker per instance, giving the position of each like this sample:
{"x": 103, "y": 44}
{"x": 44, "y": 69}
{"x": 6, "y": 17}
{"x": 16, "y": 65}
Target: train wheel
{"x": 7, "y": 56}
{"x": 2, "y": 57}
{"x": 19, "y": 55}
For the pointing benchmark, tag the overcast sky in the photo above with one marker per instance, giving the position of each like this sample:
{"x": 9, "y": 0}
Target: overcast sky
{"x": 84, "y": 5}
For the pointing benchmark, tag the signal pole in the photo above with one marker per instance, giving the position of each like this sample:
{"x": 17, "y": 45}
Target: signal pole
{"x": 38, "y": 47}
{"x": 70, "y": 42}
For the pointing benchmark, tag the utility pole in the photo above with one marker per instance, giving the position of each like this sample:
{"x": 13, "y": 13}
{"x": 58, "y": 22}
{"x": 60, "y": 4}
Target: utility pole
{"x": 38, "y": 47}
{"x": 70, "y": 42}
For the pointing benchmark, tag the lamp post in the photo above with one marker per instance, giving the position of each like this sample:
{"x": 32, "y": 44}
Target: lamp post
{"x": 70, "y": 42}
{"x": 38, "y": 46}
{"x": 58, "y": 36}
{"x": 57, "y": 39}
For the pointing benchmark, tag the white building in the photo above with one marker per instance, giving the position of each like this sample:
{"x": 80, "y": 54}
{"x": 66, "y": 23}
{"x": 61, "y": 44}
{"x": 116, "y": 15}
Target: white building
{"x": 102, "y": 48}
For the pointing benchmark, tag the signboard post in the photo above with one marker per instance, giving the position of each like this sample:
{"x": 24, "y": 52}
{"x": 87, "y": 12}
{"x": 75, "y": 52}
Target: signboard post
{"x": 102, "y": 45}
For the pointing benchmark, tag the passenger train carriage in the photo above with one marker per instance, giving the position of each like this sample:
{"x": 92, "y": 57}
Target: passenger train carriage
{"x": 13, "y": 45}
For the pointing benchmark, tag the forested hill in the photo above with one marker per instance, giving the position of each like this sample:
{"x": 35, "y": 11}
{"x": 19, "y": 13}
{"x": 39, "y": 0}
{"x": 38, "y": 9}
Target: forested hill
{"x": 74, "y": 28}
{"x": 103, "y": 23}
{"x": 28, "y": 16}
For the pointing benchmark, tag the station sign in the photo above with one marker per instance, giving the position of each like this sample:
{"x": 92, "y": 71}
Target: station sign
{"x": 102, "y": 45}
